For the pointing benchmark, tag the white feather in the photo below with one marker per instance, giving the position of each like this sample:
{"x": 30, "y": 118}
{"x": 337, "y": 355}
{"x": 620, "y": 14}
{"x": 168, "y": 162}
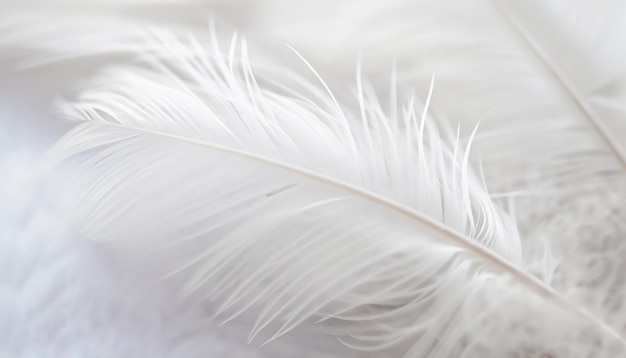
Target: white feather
{"x": 511, "y": 65}
{"x": 547, "y": 83}
{"x": 284, "y": 203}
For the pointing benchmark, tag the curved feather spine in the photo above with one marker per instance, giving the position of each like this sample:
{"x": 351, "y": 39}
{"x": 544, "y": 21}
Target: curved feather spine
{"x": 593, "y": 118}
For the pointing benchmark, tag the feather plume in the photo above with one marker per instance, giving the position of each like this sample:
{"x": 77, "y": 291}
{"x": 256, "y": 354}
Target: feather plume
{"x": 424, "y": 264}
{"x": 280, "y": 201}
{"x": 546, "y": 82}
